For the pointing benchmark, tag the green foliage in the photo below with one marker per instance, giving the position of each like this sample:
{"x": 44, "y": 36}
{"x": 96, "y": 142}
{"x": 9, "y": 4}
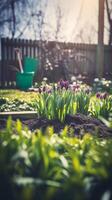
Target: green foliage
{"x": 60, "y": 103}
{"x": 50, "y": 167}
{"x": 14, "y": 105}
{"x": 108, "y": 122}
{"x": 82, "y": 102}
{"x": 57, "y": 103}
{"x": 17, "y": 94}
{"x": 3, "y": 101}
{"x": 101, "y": 107}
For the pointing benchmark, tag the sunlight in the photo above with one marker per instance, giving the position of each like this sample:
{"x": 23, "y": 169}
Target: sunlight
{"x": 73, "y": 21}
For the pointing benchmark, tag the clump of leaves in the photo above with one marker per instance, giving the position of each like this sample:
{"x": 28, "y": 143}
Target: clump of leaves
{"x": 60, "y": 103}
{"x": 82, "y": 102}
{"x": 101, "y": 105}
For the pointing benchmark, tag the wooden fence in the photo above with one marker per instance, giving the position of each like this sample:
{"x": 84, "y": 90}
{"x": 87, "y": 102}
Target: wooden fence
{"x": 57, "y": 60}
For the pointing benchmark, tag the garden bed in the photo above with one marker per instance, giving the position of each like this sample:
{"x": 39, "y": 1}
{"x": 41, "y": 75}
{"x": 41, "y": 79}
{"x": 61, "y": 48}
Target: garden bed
{"x": 78, "y": 124}
{"x": 76, "y": 106}
{"x": 63, "y": 152}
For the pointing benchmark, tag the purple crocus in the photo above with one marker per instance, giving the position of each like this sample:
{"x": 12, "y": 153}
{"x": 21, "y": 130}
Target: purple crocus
{"x": 102, "y": 95}
{"x": 63, "y": 84}
{"x": 98, "y": 95}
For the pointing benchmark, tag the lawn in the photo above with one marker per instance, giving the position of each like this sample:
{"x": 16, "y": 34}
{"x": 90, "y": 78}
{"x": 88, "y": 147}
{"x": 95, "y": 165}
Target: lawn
{"x": 17, "y": 94}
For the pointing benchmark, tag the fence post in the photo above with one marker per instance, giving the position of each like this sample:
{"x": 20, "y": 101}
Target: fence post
{"x": 2, "y": 64}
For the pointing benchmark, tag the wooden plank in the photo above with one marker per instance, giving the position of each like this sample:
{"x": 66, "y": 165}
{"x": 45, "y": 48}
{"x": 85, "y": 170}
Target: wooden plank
{"x": 19, "y": 115}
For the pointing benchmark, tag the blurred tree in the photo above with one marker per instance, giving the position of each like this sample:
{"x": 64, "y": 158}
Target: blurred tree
{"x": 87, "y": 34}
{"x": 59, "y": 17}
{"x": 11, "y": 12}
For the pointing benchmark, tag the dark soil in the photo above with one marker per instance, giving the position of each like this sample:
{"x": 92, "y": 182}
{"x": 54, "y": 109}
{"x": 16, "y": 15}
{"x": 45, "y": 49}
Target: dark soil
{"x": 79, "y": 124}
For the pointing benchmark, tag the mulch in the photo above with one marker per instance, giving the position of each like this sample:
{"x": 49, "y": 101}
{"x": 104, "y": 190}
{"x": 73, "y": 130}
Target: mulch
{"x": 79, "y": 124}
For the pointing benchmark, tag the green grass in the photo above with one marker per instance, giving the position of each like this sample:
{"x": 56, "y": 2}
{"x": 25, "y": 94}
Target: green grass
{"x": 17, "y": 94}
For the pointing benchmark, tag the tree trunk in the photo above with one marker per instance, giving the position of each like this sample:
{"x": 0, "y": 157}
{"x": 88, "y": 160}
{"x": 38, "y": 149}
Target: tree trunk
{"x": 110, "y": 22}
{"x": 100, "y": 47}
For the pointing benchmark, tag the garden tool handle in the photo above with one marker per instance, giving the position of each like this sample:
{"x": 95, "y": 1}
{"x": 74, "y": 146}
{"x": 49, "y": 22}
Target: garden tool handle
{"x": 19, "y": 59}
